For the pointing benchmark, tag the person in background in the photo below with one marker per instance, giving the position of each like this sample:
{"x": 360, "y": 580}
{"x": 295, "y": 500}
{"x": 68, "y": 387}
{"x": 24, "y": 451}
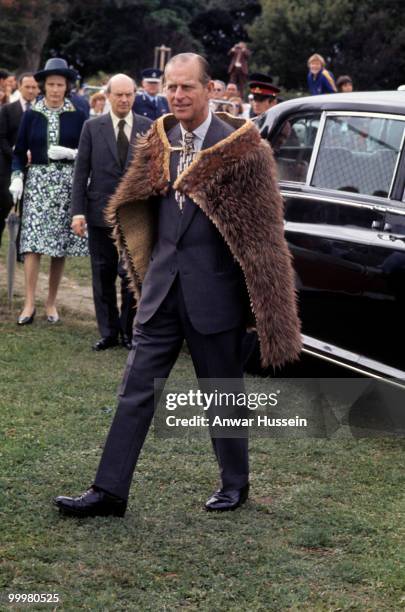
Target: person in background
{"x": 12, "y": 86}
{"x": 216, "y": 95}
{"x": 150, "y": 103}
{"x": 231, "y": 91}
{"x": 238, "y": 68}
{"x": 104, "y": 153}
{"x": 264, "y": 94}
{"x": 236, "y": 108}
{"x": 50, "y": 131}
{"x": 344, "y": 84}
{"x": 3, "y": 76}
{"x": 3, "y": 96}
{"x": 218, "y": 89}
{"x": 97, "y": 104}
{"x": 10, "y": 119}
{"x": 319, "y": 80}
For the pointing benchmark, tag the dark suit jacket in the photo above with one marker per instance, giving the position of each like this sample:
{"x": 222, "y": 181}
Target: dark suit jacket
{"x": 97, "y": 160}
{"x": 10, "y": 118}
{"x": 189, "y": 244}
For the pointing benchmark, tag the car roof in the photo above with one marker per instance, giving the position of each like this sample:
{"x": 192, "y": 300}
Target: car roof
{"x": 368, "y": 101}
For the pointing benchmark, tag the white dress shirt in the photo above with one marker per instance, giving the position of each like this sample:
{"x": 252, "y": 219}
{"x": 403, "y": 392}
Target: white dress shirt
{"x": 129, "y": 120}
{"x": 199, "y": 133}
{"x": 24, "y": 104}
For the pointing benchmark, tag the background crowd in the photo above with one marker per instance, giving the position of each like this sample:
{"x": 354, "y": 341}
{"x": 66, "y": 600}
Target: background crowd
{"x": 42, "y": 115}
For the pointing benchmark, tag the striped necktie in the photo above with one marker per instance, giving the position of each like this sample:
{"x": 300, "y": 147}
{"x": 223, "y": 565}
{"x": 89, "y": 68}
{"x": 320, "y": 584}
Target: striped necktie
{"x": 186, "y": 156}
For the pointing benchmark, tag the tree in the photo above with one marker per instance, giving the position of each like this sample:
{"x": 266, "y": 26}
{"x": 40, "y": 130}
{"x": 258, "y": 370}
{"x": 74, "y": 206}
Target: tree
{"x": 24, "y": 28}
{"x": 220, "y": 26}
{"x": 358, "y": 37}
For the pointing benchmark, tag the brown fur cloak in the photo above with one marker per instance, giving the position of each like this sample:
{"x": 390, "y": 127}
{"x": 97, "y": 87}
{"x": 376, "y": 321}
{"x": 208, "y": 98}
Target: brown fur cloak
{"x": 235, "y": 185}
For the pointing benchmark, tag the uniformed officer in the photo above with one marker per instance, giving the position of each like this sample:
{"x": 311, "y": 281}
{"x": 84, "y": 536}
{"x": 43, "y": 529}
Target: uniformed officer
{"x": 149, "y": 102}
{"x": 264, "y": 94}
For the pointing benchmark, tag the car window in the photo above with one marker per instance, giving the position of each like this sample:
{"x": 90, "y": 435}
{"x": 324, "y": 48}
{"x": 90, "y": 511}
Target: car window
{"x": 293, "y": 147}
{"x": 358, "y": 154}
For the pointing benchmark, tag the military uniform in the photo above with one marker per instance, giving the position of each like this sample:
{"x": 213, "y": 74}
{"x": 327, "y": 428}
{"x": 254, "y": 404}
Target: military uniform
{"x": 149, "y": 106}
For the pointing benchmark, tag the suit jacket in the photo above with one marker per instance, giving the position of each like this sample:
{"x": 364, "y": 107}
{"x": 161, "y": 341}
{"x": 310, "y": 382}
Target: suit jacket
{"x": 10, "y": 119}
{"x": 234, "y": 184}
{"x": 189, "y": 244}
{"x": 97, "y": 160}
{"x": 145, "y": 107}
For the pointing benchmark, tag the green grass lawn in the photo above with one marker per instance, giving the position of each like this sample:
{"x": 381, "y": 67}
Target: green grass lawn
{"x": 324, "y": 528}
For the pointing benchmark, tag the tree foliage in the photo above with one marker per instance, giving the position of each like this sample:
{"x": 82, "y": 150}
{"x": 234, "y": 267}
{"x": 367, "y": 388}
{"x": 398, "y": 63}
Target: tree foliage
{"x": 362, "y": 38}
{"x": 119, "y": 35}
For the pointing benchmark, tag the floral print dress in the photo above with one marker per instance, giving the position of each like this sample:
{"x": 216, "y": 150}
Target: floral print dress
{"x": 46, "y": 217}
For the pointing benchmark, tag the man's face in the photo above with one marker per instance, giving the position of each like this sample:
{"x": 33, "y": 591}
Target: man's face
{"x": 315, "y": 66}
{"x": 218, "y": 90}
{"x": 262, "y": 104}
{"x": 151, "y": 88}
{"x": 121, "y": 96}
{"x": 231, "y": 90}
{"x": 28, "y": 89}
{"x": 347, "y": 87}
{"x": 187, "y": 96}
{"x": 11, "y": 82}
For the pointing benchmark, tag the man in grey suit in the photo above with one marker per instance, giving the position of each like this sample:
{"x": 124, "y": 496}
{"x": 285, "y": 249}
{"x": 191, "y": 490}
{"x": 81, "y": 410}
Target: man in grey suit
{"x": 10, "y": 119}
{"x": 103, "y": 156}
{"x": 195, "y": 236}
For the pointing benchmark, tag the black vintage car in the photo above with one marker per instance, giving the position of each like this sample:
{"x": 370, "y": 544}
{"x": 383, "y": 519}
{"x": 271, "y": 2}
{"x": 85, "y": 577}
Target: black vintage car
{"x": 341, "y": 163}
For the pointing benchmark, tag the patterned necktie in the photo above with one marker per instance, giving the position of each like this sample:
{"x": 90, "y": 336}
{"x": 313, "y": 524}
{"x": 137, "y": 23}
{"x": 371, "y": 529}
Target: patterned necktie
{"x": 122, "y": 143}
{"x": 27, "y": 106}
{"x": 186, "y": 156}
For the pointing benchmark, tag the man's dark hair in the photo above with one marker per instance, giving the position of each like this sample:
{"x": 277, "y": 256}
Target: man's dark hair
{"x": 4, "y": 73}
{"x": 342, "y": 80}
{"x": 24, "y": 75}
{"x": 205, "y": 70}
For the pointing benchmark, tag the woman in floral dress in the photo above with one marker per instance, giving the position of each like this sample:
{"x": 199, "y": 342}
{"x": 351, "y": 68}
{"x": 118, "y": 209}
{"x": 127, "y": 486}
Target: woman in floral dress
{"x": 47, "y": 145}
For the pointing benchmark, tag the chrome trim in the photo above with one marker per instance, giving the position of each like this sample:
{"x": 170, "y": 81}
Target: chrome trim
{"x": 333, "y": 200}
{"x": 394, "y": 176}
{"x": 315, "y": 150}
{"x": 337, "y": 352}
{"x": 364, "y": 114}
{"x": 364, "y": 236}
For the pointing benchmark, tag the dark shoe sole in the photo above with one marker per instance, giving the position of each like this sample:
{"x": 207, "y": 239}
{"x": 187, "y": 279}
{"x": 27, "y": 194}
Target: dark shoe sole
{"x": 90, "y": 513}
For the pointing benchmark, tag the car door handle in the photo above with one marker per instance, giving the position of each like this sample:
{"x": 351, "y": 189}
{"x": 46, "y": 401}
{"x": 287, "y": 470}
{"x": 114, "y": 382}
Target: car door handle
{"x": 391, "y": 237}
{"x": 396, "y": 237}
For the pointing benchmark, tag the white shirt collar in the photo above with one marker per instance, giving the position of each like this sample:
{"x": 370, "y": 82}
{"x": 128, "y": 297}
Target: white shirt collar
{"x": 128, "y": 119}
{"x": 201, "y": 131}
{"x": 25, "y": 102}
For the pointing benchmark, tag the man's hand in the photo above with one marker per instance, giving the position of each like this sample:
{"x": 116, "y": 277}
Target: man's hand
{"x": 16, "y": 188}
{"x": 57, "y": 152}
{"x": 79, "y": 226}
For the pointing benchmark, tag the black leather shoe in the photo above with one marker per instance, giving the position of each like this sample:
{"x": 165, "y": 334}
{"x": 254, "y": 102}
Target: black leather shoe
{"x": 93, "y": 502}
{"x": 105, "y": 343}
{"x": 221, "y": 500}
{"x": 26, "y": 320}
{"x": 126, "y": 341}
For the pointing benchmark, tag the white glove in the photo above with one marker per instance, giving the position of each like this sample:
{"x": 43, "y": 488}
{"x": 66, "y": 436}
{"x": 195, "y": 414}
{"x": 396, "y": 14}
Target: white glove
{"x": 16, "y": 188}
{"x": 56, "y": 152}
